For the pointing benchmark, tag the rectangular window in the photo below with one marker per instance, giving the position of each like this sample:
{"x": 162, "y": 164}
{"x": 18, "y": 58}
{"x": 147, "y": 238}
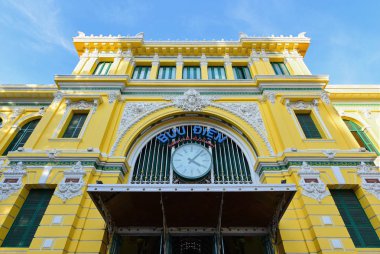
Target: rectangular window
{"x": 166, "y": 72}
{"x": 216, "y": 72}
{"x": 308, "y": 126}
{"x": 75, "y": 125}
{"x": 280, "y": 68}
{"x": 242, "y": 72}
{"x": 191, "y": 72}
{"x": 102, "y": 68}
{"x": 28, "y": 219}
{"x": 357, "y": 223}
{"x": 141, "y": 72}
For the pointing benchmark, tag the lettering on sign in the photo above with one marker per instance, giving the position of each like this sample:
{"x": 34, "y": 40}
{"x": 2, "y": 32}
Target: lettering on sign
{"x": 199, "y": 134}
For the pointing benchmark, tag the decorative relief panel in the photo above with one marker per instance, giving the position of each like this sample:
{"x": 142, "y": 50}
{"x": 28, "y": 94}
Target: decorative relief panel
{"x": 12, "y": 180}
{"x": 301, "y": 105}
{"x": 77, "y": 105}
{"x": 370, "y": 179}
{"x": 311, "y": 184}
{"x": 72, "y": 183}
{"x": 250, "y": 113}
{"x": 191, "y": 101}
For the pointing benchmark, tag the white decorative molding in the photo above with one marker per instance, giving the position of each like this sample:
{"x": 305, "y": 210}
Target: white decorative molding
{"x": 227, "y": 60}
{"x": 113, "y": 96}
{"x": 325, "y": 97}
{"x": 179, "y": 61}
{"x": 203, "y": 60}
{"x": 67, "y": 188}
{"x": 16, "y": 112}
{"x": 300, "y": 105}
{"x": 24, "y": 118}
{"x": 57, "y": 97}
{"x": 77, "y": 105}
{"x": 367, "y": 172}
{"x": 156, "y": 60}
{"x": 311, "y": 184}
{"x": 329, "y": 153}
{"x": 4, "y": 119}
{"x": 16, "y": 173}
{"x": 250, "y": 113}
{"x": 270, "y": 95}
{"x": 134, "y": 112}
{"x": 191, "y": 100}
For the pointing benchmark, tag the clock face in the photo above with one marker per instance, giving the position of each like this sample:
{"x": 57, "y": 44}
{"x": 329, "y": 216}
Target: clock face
{"x": 191, "y": 161}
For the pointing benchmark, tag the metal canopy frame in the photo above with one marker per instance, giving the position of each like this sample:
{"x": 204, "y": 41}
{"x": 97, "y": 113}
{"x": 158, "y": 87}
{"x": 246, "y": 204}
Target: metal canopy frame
{"x": 192, "y": 208}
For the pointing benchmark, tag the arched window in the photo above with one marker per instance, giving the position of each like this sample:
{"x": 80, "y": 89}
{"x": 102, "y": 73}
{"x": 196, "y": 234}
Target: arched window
{"x": 22, "y": 136}
{"x": 361, "y": 137}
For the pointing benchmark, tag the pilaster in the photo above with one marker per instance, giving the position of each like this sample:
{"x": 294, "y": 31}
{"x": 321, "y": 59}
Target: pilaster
{"x": 91, "y": 63}
{"x": 204, "y": 72}
{"x": 82, "y": 61}
{"x": 179, "y": 67}
{"x": 115, "y": 63}
{"x": 126, "y": 63}
{"x": 228, "y": 67}
{"x": 155, "y": 66}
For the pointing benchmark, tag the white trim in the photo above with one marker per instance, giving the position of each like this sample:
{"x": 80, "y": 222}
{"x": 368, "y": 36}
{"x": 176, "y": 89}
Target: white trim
{"x": 134, "y": 152}
{"x": 190, "y": 187}
{"x": 338, "y": 174}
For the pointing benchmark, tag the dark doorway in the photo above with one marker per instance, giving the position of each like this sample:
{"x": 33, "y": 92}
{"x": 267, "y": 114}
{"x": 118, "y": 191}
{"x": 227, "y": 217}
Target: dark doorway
{"x": 140, "y": 245}
{"x": 244, "y": 245}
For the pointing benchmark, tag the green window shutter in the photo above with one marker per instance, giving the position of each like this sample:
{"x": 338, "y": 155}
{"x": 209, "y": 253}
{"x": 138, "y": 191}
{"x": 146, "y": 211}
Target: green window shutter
{"x": 242, "y": 72}
{"x": 216, "y": 72}
{"x": 308, "y": 125}
{"x": 75, "y": 125}
{"x": 191, "y": 72}
{"x": 102, "y": 68}
{"x": 280, "y": 68}
{"x": 166, "y": 72}
{"x": 361, "y": 137}
{"x": 357, "y": 223}
{"x": 141, "y": 72}
{"x": 22, "y": 136}
{"x": 28, "y": 219}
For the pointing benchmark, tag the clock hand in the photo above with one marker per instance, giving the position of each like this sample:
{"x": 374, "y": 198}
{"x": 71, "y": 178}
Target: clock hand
{"x": 196, "y": 156}
{"x": 192, "y": 161}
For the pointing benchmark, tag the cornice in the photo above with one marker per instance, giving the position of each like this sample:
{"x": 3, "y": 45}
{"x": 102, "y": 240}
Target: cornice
{"x": 241, "y": 46}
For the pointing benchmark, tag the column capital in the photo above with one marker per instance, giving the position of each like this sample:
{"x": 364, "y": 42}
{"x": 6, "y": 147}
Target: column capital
{"x": 203, "y": 60}
{"x": 156, "y": 60}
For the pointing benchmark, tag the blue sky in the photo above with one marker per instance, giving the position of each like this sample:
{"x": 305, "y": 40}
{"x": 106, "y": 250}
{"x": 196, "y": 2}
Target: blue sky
{"x": 36, "y": 36}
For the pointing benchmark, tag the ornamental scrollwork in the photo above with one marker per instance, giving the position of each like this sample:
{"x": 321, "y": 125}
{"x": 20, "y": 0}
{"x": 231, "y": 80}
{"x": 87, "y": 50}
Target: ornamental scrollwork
{"x": 301, "y": 105}
{"x": 72, "y": 183}
{"x": 311, "y": 184}
{"x": 367, "y": 172}
{"x": 191, "y": 100}
{"x": 113, "y": 96}
{"x": 250, "y": 113}
{"x": 325, "y": 97}
{"x": 15, "y": 173}
{"x": 134, "y": 112}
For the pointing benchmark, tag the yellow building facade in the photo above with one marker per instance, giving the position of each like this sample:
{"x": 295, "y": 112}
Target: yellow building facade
{"x": 190, "y": 147}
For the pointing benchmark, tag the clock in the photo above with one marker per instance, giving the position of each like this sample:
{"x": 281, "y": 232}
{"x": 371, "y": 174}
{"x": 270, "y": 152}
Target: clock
{"x": 191, "y": 161}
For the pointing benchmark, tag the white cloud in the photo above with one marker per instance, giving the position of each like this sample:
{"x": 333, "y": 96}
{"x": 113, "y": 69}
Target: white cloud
{"x": 38, "y": 20}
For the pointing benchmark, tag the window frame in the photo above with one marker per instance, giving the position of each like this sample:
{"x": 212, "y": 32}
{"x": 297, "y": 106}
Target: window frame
{"x": 25, "y": 237}
{"x": 147, "y": 75}
{"x": 357, "y": 132}
{"x": 222, "y": 75}
{"x": 241, "y": 67}
{"x": 313, "y": 120}
{"x": 173, "y": 72}
{"x": 101, "y": 65}
{"x": 15, "y": 134}
{"x": 282, "y": 66}
{"x": 186, "y": 67}
{"x": 67, "y": 120}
